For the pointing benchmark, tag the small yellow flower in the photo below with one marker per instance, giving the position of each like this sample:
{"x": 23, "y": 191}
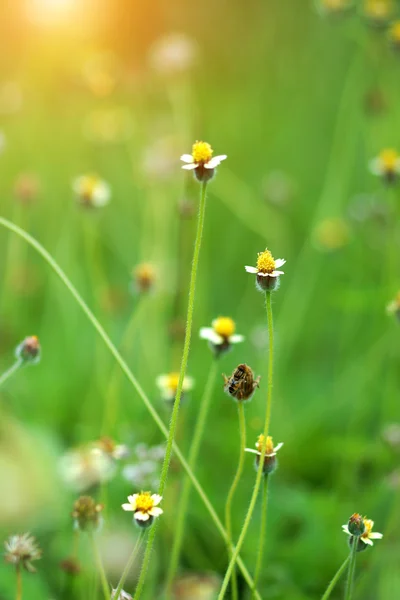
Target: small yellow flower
{"x": 368, "y": 534}
{"x": 386, "y": 165}
{"x": 91, "y": 191}
{"x": 144, "y": 507}
{"x": 331, "y": 234}
{"x": 267, "y": 271}
{"x": 168, "y": 385}
{"x": 267, "y": 445}
{"x": 379, "y": 12}
{"x": 202, "y": 161}
{"x": 222, "y": 334}
{"x": 144, "y": 276}
{"x": 394, "y": 34}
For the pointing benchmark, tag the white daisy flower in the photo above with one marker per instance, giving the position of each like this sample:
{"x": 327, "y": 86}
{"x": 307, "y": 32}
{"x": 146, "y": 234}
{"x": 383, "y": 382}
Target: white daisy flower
{"x": 202, "y": 161}
{"x": 168, "y": 385}
{"x": 144, "y": 507}
{"x": 368, "y": 534}
{"x": 222, "y": 334}
{"x": 267, "y": 271}
{"x": 386, "y": 165}
{"x": 92, "y": 191}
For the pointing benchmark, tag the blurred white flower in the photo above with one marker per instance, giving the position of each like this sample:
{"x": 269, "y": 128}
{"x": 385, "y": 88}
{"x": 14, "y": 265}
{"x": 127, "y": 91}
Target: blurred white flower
{"x": 173, "y": 54}
{"x": 83, "y": 468}
{"x": 91, "y": 191}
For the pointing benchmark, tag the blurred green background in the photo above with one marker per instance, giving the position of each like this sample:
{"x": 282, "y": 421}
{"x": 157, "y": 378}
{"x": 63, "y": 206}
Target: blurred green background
{"x": 300, "y": 102}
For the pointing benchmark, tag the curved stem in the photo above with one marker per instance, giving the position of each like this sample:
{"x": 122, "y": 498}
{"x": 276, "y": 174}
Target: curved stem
{"x": 352, "y": 569}
{"x": 193, "y": 454}
{"x": 130, "y": 376}
{"x": 100, "y": 567}
{"x": 185, "y": 357}
{"x": 259, "y": 476}
{"x": 335, "y": 579}
{"x": 129, "y": 565}
{"x": 231, "y": 493}
{"x": 13, "y": 369}
{"x": 262, "y": 532}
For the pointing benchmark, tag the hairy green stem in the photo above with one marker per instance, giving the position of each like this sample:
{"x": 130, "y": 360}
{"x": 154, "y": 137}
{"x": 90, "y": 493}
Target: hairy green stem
{"x": 352, "y": 569}
{"x": 130, "y": 376}
{"x": 100, "y": 567}
{"x": 262, "y": 533}
{"x": 13, "y": 369}
{"x": 335, "y": 579}
{"x": 193, "y": 454}
{"x": 129, "y": 565}
{"x": 231, "y": 493}
{"x": 185, "y": 357}
{"x": 260, "y": 473}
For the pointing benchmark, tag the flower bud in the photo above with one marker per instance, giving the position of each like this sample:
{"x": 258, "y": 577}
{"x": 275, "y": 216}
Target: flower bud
{"x": 356, "y": 525}
{"x": 28, "y": 351}
{"x": 86, "y": 514}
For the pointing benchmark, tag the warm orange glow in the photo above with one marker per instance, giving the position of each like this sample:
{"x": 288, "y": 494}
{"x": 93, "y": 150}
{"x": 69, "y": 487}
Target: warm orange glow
{"x": 52, "y": 12}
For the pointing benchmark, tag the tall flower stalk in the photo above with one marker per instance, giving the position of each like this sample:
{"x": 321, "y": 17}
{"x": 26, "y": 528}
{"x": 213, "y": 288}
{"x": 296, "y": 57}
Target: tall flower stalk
{"x": 231, "y": 493}
{"x": 187, "y": 486}
{"x": 263, "y": 528}
{"x": 10, "y": 372}
{"x": 203, "y": 165}
{"x": 129, "y": 564}
{"x": 335, "y": 579}
{"x": 267, "y": 280}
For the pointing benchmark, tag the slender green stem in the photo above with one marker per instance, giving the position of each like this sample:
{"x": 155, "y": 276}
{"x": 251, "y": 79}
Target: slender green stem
{"x": 129, "y": 564}
{"x": 231, "y": 493}
{"x": 262, "y": 533}
{"x": 18, "y": 595}
{"x": 335, "y": 579}
{"x": 130, "y": 376}
{"x": 185, "y": 357}
{"x": 193, "y": 454}
{"x": 259, "y": 475}
{"x": 352, "y": 569}
{"x": 13, "y": 369}
{"x": 100, "y": 567}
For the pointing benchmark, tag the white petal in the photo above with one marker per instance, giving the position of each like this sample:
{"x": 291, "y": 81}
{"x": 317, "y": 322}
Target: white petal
{"x": 278, "y": 447}
{"x": 162, "y": 382}
{"x": 156, "y": 499}
{"x": 206, "y": 332}
{"x": 128, "y": 507}
{"x": 156, "y": 511}
{"x": 346, "y": 529}
{"x": 188, "y": 383}
{"x": 367, "y": 541}
{"x": 279, "y": 262}
{"x": 236, "y": 338}
{"x": 276, "y": 273}
{"x": 263, "y": 274}
{"x": 139, "y": 516}
{"x": 374, "y": 535}
{"x": 251, "y": 269}
{"x": 252, "y": 451}
{"x": 214, "y": 338}
{"x": 187, "y": 158}
{"x": 214, "y": 162}
{"x": 189, "y": 167}
{"x": 132, "y": 498}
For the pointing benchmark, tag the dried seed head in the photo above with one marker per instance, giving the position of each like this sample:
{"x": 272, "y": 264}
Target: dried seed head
{"x": 20, "y": 550}
{"x": 86, "y": 513}
{"x": 144, "y": 276}
{"x": 28, "y": 351}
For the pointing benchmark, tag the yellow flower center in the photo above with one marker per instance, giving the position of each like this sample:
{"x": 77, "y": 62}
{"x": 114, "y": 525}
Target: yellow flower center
{"x": 268, "y": 444}
{"x": 334, "y": 4}
{"x": 265, "y": 262}
{"x": 395, "y": 31}
{"x": 202, "y": 152}
{"x": 368, "y": 524}
{"x": 224, "y": 326}
{"x": 389, "y": 159}
{"x": 144, "y": 502}
{"x": 144, "y": 271}
{"x": 89, "y": 184}
{"x": 172, "y": 381}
